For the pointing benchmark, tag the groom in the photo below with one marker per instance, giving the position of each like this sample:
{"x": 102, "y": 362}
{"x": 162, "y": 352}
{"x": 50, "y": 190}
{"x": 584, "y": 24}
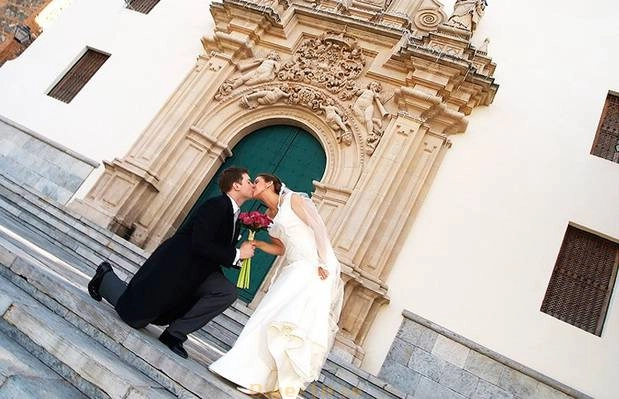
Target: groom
{"x": 181, "y": 284}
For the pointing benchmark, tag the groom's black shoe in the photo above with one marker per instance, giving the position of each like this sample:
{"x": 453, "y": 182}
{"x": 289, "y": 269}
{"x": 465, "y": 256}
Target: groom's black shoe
{"x": 95, "y": 282}
{"x": 175, "y": 344}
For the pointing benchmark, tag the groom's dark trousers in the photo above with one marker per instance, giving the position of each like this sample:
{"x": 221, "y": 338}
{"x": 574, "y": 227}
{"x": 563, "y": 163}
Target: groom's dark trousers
{"x": 214, "y": 295}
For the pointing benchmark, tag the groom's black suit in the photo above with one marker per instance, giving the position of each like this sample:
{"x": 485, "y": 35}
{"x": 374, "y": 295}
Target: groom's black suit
{"x": 181, "y": 283}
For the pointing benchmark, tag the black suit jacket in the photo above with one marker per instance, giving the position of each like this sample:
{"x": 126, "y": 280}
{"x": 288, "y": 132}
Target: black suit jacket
{"x": 163, "y": 289}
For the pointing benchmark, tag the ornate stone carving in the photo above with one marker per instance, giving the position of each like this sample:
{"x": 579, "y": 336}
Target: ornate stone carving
{"x": 363, "y": 108}
{"x": 265, "y": 96}
{"x": 316, "y": 100}
{"x": 332, "y": 61}
{"x": 428, "y": 20}
{"x": 266, "y": 72}
{"x": 337, "y": 121}
{"x": 467, "y": 14}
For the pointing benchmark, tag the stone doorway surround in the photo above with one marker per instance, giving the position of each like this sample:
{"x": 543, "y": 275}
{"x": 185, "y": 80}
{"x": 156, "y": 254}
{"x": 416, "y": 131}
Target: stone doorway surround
{"x": 381, "y": 84}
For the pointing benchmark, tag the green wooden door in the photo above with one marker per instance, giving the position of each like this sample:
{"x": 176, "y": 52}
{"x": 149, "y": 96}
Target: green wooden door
{"x": 289, "y": 152}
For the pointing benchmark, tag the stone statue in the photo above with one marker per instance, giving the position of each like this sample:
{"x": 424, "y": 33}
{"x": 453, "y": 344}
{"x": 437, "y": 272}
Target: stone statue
{"x": 364, "y": 106}
{"x": 484, "y": 46}
{"x": 266, "y": 71}
{"x": 334, "y": 119}
{"x": 467, "y": 14}
{"x": 265, "y": 97}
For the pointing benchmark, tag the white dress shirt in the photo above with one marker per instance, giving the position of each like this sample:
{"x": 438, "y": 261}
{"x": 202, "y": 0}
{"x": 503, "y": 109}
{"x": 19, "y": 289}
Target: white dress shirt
{"x": 235, "y": 208}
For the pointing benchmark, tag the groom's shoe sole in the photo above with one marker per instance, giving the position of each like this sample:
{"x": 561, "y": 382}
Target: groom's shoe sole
{"x": 95, "y": 282}
{"x": 175, "y": 344}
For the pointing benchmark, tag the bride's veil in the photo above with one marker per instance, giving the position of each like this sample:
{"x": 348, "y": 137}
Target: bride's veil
{"x": 327, "y": 257}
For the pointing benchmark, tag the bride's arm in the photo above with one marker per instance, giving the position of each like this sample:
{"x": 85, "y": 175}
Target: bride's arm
{"x": 275, "y": 247}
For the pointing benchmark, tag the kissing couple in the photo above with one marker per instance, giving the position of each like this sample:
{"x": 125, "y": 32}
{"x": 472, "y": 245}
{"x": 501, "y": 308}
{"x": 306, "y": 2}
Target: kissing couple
{"x": 284, "y": 344}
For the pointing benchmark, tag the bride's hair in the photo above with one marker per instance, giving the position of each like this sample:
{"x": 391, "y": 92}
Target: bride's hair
{"x": 277, "y": 184}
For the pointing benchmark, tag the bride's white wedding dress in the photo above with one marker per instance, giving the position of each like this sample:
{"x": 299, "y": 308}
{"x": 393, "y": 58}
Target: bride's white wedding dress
{"x": 285, "y": 342}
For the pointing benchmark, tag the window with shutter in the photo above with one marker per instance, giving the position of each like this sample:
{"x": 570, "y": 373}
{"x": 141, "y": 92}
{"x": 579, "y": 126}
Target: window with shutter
{"x": 143, "y": 6}
{"x": 606, "y": 143}
{"x": 582, "y": 281}
{"x": 79, "y": 74}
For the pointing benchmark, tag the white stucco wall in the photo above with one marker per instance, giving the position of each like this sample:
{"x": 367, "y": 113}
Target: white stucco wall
{"x": 480, "y": 254}
{"x": 150, "y": 56}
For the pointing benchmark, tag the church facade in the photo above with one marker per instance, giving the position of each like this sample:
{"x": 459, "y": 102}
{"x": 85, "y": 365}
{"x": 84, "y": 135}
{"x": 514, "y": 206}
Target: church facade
{"x": 450, "y": 202}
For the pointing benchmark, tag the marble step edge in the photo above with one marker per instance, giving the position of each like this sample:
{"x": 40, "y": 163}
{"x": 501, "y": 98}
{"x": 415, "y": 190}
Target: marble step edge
{"x": 141, "y": 348}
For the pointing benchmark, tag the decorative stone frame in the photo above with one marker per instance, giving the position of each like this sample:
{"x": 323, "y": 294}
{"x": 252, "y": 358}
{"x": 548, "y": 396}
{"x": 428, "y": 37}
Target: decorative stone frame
{"x": 368, "y": 199}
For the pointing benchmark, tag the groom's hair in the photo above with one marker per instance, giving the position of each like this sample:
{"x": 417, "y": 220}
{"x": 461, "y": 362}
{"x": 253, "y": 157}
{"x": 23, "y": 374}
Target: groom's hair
{"x": 277, "y": 183}
{"x": 230, "y": 176}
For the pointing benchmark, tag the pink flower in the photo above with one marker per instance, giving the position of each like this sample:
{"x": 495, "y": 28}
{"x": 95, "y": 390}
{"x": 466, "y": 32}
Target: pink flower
{"x": 255, "y": 220}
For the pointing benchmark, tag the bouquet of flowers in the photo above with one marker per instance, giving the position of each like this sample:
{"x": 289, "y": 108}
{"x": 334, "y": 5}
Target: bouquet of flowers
{"x": 253, "y": 221}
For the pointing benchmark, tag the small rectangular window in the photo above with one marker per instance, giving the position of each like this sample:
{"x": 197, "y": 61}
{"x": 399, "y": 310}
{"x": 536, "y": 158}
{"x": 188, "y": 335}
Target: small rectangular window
{"x": 606, "y": 143}
{"x": 582, "y": 281}
{"x": 79, "y": 74}
{"x": 143, "y": 6}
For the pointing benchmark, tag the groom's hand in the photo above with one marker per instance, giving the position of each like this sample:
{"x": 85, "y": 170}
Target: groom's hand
{"x": 247, "y": 250}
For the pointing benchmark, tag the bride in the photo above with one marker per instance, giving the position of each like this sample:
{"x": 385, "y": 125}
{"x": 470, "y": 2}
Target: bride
{"x": 287, "y": 339}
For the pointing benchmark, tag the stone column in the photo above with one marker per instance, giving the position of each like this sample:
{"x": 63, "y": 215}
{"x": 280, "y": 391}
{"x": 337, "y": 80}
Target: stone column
{"x": 383, "y": 205}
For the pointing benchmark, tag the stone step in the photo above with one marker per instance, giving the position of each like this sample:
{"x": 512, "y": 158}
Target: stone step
{"x": 63, "y": 233}
{"x": 339, "y": 379}
{"x": 72, "y": 238}
{"x": 55, "y": 230}
{"x": 221, "y": 332}
{"x": 73, "y": 349}
{"x": 140, "y": 349}
{"x": 72, "y": 218}
{"x": 22, "y": 375}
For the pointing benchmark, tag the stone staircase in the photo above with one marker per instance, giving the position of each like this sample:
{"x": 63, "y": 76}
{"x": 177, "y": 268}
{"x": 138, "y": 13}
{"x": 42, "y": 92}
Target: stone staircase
{"x": 57, "y": 342}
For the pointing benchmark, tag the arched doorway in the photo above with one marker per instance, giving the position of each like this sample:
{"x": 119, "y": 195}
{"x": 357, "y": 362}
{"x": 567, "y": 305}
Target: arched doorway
{"x": 289, "y": 152}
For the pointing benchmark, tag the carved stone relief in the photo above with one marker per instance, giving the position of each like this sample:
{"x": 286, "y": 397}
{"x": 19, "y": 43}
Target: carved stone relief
{"x": 333, "y": 62}
{"x": 428, "y": 20}
{"x": 363, "y": 109}
{"x": 294, "y": 94}
{"x": 467, "y": 14}
{"x": 266, "y": 72}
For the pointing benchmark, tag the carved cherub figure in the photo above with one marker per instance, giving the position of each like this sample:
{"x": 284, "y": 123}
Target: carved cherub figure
{"x": 363, "y": 107}
{"x": 266, "y": 71}
{"x": 265, "y": 97}
{"x": 335, "y": 120}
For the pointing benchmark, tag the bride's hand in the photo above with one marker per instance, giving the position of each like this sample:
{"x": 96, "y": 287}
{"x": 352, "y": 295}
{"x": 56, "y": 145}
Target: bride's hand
{"x": 322, "y": 272}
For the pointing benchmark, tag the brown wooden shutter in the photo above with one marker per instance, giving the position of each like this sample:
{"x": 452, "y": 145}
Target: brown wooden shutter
{"x": 582, "y": 281}
{"x": 143, "y": 6}
{"x": 79, "y": 74}
{"x": 606, "y": 143}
